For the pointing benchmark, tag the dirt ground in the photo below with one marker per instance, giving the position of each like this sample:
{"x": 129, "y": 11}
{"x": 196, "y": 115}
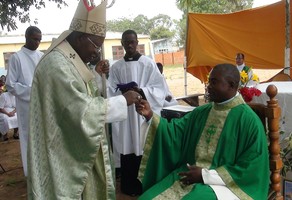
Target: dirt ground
{"x": 12, "y": 180}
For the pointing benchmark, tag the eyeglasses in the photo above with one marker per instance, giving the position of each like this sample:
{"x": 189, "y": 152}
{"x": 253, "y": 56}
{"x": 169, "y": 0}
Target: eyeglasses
{"x": 98, "y": 49}
{"x": 127, "y": 42}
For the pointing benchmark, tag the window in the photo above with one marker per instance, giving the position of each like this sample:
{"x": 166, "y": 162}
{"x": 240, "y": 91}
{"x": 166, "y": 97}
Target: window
{"x": 141, "y": 49}
{"x": 7, "y": 56}
{"x": 118, "y": 52}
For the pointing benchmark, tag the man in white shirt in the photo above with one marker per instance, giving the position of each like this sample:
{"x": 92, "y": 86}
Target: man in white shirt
{"x": 133, "y": 67}
{"x": 18, "y": 81}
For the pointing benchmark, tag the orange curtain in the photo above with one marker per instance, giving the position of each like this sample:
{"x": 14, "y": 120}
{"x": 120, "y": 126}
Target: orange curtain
{"x": 258, "y": 33}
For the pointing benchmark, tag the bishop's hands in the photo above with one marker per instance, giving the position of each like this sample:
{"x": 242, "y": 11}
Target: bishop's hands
{"x": 132, "y": 97}
{"x": 102, "y": 67}
{"x": 194, "y": 175}
{"x": 143, "y": 108}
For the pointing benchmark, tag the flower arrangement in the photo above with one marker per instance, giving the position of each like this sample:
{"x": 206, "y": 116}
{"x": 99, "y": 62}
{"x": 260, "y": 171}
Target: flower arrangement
{"x": 248, "y": 92}
{"x": 244, "y": 78}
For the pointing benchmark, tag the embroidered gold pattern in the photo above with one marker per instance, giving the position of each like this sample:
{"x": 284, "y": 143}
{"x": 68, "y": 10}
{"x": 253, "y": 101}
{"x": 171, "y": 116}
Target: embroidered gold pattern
{"x": 98, "y": 29}
{"x": 207, "y": 145}
{"x": 176, "y": 191}
{"x": 75, "y": 24}
{"x": 148, "y": 145}
{"x": 210, "y": 133}
{"x": 223, "y": 173}
{"x": 90, "y": 26}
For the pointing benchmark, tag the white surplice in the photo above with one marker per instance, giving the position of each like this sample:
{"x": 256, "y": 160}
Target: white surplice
{"x": 18, "y": 81}
{"x": 126, "y": 134}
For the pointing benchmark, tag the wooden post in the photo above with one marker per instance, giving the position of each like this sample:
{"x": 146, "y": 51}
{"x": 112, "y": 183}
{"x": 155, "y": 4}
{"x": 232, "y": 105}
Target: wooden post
{"x": 273, "y": 113}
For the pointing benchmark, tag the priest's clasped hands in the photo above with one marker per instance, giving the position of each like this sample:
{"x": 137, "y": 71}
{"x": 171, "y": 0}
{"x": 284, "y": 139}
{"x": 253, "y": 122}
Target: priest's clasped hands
{"x": 143, "y": 108}
{"x": 194, "y": 175}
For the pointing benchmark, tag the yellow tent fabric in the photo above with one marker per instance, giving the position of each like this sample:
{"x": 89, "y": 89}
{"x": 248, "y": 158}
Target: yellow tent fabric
{"x": 258, "y": 33}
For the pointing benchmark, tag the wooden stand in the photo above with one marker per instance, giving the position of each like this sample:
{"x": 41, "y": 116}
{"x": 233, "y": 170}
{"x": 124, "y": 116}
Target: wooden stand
{"x": 272, "y": 112}
{"x": 192, "y": 100}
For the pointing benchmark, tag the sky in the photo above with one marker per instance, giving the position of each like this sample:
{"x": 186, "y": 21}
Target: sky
{"x": 54, "y": 20}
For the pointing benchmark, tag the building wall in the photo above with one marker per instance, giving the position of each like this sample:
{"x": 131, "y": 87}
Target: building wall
{"x": 170, "y": 58}
{"x": 108, "y": 54}
{"x": 6, "y": 46}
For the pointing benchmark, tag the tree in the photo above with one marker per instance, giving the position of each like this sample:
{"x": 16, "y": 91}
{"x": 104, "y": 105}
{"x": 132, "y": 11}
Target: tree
{"x": 118, "y": 25}
{"x": 158, "y": 27}
{"x": 162, "y": 27}
{"x": 10, "y": 10}
{"x": 207, "y": 6}
{"x": 216, "y": 6}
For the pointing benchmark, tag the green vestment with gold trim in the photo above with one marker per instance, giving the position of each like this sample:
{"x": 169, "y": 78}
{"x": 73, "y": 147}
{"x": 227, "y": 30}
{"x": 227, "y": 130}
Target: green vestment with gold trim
{"x": 229, "y": 138}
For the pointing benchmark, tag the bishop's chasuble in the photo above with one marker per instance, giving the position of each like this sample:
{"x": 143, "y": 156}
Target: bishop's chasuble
{"x": 227, "y": 138}
{"x": 68, "y": 154}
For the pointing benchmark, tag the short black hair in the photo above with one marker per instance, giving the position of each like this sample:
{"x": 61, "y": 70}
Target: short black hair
{"x": 229, "y": 72}
{"x": 240, "y": 54}
{"x": 31, "y": 30}
{"x": 128, "y": 32}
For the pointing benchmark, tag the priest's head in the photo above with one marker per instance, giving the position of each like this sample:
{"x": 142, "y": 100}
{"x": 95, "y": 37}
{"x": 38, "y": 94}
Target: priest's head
{"x": 33, "y": 37}
{"x": 239, "y": 59}
{"x": 223, "y": 82}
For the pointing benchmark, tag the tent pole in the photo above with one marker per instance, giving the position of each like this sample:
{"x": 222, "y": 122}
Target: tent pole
{"x": 287, "y": 43}
{"x": 185, "y": 75}
{"x": 185, "y": 57}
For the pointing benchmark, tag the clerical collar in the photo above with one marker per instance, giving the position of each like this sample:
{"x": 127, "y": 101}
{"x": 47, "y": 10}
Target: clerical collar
{"x": 230, "y": 103}
{"x": 227, "y": 101}
{"x": 134, "y": 58}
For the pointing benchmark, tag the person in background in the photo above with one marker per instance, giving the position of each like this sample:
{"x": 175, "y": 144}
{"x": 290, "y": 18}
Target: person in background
{"x": 240, "y": 64}
{"x": 18, "y": 81}
{"x": 143, "y": 72}
{"x": 212, "y": 152}
{"x": 69, "y": 156}
{"x": 2, "y": 80}
{"x": 169, "y": 100}
{"x": 8, "y": 118}
{"x": 2, "y": 84}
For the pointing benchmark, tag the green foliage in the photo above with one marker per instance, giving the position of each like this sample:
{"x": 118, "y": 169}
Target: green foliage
{"x": 216, "y": 6}
{"x": 161, "y": 32}
{"x": 158, "y": 27}
{"x": 119, "y": 25}
{"x": 286, "y": 154}
{"x": 10, "y": 10}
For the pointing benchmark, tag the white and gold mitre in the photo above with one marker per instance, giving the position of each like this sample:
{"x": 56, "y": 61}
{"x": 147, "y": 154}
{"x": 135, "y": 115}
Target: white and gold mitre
{"x": 89, "y": 18}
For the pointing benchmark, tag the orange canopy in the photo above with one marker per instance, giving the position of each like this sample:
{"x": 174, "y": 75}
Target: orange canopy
{"x": 258, "y": 33}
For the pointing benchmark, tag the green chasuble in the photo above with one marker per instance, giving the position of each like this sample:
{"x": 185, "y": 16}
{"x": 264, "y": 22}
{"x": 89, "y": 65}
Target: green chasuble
{"x": 228, "y": 138}
{"x": 68, "y": 153}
